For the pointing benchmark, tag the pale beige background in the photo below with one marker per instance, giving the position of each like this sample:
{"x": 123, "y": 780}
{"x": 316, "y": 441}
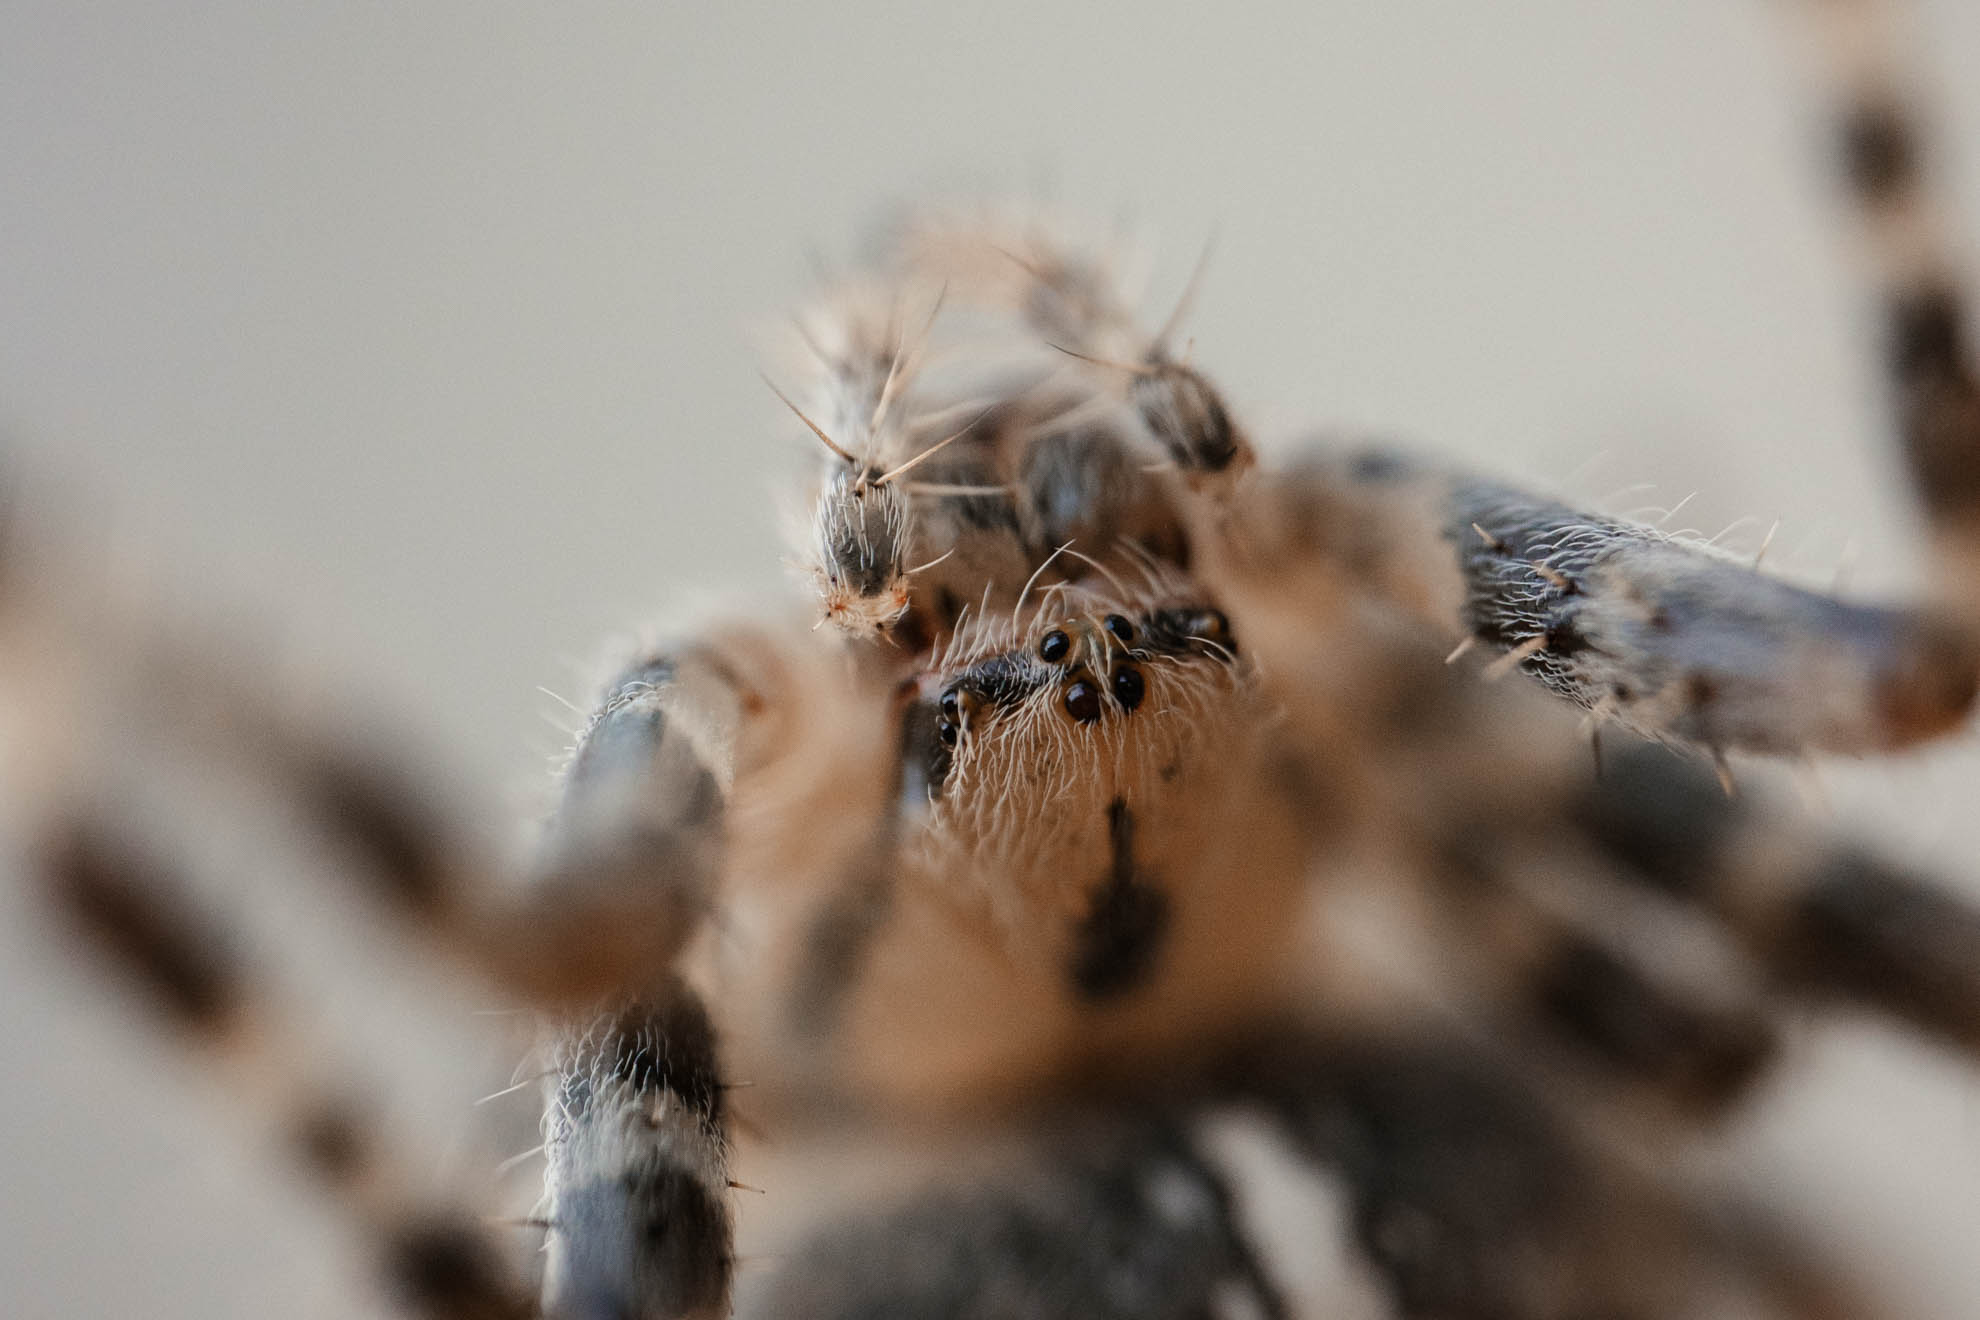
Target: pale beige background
{"x": 423, "y": 327}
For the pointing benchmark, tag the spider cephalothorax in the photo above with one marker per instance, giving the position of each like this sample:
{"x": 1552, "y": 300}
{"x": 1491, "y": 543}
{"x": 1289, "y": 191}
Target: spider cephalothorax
{"x": 1102, "y": 727}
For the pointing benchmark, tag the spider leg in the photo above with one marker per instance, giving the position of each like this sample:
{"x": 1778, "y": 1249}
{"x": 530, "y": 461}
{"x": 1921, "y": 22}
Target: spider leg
{"x": 1118, "y": 1218}
{"x": 1642, "y": 1022}
{"x": 733, "y": 771}
{"x": 1065, "y": 294}
{"x": 1824, "y": 918}
{"x": 435, "y": 1257}
{"x": 679, "y": 784}
{"x": 1883, "y": 158}
{"x": 1475, "y": 1199}
{"x": 1637, "y": 915}
{"x": 627, "y": 867}
{"x": 638, "y": 837}
{"x": 637, "y": 1183}
{"x": 1668, "y": 639}
{"x": 1071, "y": 300}
{"x": 1416, "y": 774}
{"x": 1461, "y": 1193}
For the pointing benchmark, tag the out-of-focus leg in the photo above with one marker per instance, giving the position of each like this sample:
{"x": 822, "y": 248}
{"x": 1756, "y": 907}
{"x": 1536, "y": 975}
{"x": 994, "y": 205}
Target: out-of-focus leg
{"x": 1669, "y": 639}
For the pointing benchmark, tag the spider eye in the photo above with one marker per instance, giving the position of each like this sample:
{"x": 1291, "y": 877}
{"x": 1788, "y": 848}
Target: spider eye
{"x": 956, "y": 705}
{"x": 1055, "y": 647}
{"x": 1083, "y": 701}
{"x": 1211, "y": 625}
{"x": 1122, "y": 630}
{"x": 1129, "y": 687}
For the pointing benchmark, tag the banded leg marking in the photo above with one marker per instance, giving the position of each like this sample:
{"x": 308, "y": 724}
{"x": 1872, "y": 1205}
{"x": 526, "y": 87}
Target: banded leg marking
{"x": 637, "y": 1184}
{"x": 1883, "y": 161}
{"x": 434, "y": 1257}
{"x": 1825, "y": 919}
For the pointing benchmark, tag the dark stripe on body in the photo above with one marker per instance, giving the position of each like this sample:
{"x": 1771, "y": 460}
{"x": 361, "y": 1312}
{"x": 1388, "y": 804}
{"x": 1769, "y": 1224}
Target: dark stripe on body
{"x": 1116, "y": 944}
{"x": 1005, "y": 681}
{"x": 836, "y": 942}
{"x": 843, "y": 927}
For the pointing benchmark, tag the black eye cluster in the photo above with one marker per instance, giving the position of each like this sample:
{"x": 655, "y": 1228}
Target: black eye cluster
{"x": 998, "y": 682}
{"x": 1003, "y": 681}
{"x": 1082, "y": 696}
{"x": 956, "y": 706}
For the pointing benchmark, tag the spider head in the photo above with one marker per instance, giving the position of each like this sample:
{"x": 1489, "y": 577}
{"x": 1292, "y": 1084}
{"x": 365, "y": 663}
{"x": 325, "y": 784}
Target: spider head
{"x": 1096, "y": 697}
{"x": 1091, "y": 770}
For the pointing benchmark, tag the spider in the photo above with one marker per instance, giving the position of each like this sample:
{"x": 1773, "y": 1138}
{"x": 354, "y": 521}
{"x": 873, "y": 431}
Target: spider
{"x": 1174, "y": 681}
